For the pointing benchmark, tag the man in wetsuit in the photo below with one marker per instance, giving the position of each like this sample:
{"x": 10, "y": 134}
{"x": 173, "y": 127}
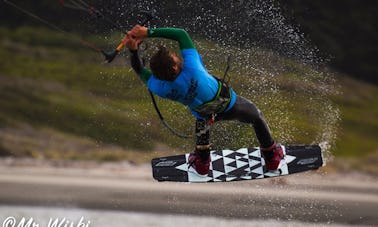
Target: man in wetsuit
{"x": 208, "y": 98}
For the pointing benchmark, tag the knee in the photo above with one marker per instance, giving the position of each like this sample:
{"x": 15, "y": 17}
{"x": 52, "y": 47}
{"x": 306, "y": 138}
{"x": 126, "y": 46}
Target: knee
{"x": 259, "y": 114}
{"x": 251, "y": 114}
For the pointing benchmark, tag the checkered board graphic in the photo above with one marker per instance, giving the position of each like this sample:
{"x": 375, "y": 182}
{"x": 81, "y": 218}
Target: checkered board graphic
{"x": 228, "y": 165}
{"x": 243, "y": 164}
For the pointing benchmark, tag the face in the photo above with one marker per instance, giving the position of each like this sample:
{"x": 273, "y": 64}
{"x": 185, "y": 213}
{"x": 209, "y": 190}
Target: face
{"x": 177, "y": 60}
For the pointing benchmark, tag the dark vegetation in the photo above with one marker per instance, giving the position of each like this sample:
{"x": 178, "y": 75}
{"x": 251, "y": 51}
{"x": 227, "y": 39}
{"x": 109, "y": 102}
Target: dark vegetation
{"x": 345, "y": 32}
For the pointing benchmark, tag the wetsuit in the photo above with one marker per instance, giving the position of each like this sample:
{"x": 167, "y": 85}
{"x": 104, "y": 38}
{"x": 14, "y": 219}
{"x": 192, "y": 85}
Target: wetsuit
{"x": 196, "y": 88}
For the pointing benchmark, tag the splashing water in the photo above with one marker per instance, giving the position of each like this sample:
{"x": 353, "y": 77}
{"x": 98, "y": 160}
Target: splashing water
{"x": 274, "y": 65}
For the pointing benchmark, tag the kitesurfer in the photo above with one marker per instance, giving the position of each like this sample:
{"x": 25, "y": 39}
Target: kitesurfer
{"x": 210, "y": 99}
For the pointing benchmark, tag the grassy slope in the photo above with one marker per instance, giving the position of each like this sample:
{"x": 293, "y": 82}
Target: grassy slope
{"x": 51, "y": 82}
{"x": 359, "y": 129}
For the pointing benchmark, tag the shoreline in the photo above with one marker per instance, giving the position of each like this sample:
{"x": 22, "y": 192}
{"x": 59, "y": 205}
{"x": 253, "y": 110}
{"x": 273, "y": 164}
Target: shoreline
{"x": 317, "y": 196}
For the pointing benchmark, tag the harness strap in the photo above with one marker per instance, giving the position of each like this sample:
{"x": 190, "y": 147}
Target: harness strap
{"x": 219, "y": 103}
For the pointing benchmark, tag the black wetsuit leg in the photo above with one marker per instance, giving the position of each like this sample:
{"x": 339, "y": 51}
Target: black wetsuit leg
{"x": 246, "y": 111}
{"x": 202, "y": 132}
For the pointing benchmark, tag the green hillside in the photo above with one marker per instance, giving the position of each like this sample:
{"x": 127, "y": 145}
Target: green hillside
{"x": 59, "y": 101}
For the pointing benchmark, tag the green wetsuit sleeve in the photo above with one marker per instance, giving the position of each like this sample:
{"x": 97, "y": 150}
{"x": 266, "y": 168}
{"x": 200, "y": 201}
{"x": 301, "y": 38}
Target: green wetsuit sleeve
{"x": 177, "y": 34}
{"x": 145, "y": 75}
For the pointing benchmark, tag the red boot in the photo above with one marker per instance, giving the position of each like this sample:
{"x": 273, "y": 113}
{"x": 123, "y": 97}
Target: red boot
{"x": 200, "y": 161}
{"x": 272, "y": 156}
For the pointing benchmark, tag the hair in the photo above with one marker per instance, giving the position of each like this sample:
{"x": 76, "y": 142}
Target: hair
{"x": 161, "y": 64}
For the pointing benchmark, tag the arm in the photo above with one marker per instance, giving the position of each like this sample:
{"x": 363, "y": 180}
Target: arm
{"x": 137, "y": 65}
{"x": 176, "y": 34}
{"x": 179, "y": 35}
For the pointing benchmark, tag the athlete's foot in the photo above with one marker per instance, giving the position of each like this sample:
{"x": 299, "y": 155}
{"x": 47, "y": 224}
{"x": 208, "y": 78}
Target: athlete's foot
{"x": 200, "y": 161}
{"x": 272, "y": 156}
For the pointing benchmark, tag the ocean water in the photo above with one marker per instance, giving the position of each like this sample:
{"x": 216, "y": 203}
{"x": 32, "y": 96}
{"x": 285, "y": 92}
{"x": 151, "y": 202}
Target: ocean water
{"x": 17, "y": 216}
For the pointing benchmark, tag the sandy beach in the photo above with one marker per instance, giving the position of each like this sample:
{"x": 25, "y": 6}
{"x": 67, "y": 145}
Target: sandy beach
{"x": 315, "y": 197}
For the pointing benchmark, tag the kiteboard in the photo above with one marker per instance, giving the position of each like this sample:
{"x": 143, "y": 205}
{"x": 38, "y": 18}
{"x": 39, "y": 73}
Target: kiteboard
{"x": 243, "y": 164}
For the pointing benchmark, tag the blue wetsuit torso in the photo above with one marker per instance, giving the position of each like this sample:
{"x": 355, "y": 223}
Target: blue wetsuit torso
{"x": 193, "y": 86}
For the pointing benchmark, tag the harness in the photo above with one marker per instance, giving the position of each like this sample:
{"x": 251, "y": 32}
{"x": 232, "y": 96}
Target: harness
{"x": 219, "y": 103}
{"x": 221, "y": 100}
